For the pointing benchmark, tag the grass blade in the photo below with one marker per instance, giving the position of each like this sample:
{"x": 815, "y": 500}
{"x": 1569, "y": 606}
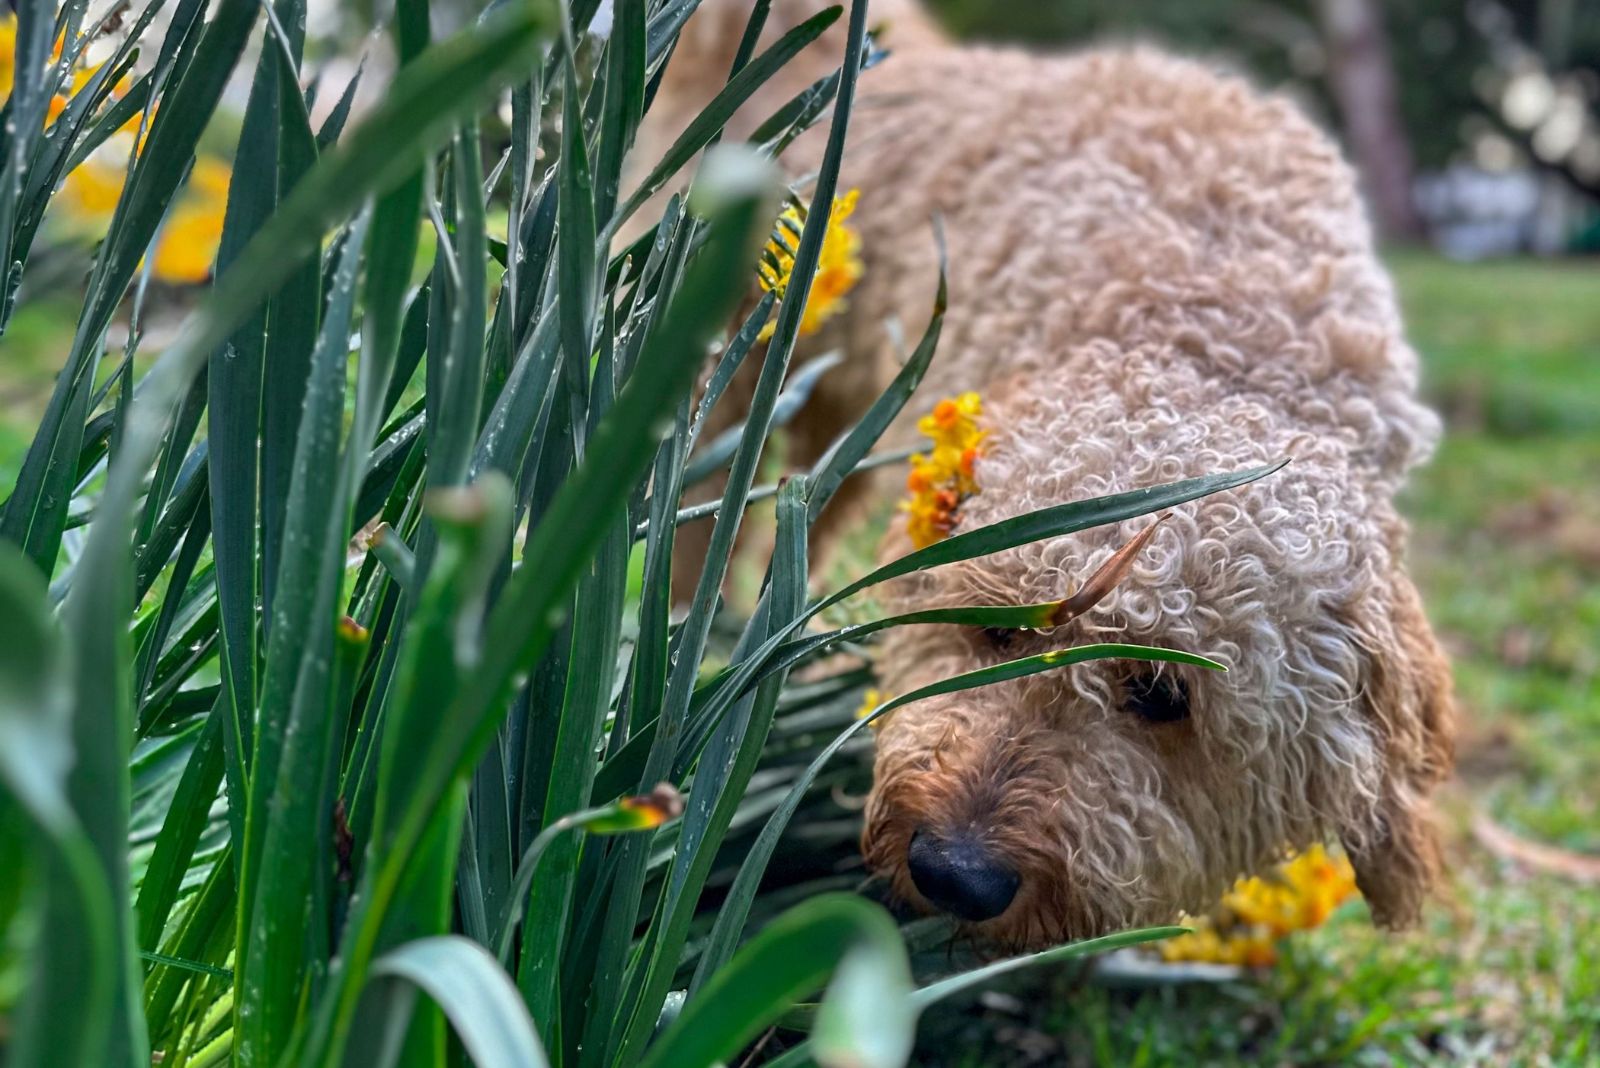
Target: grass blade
{"x": 789, "y": 959}
{"x": 455, "y": 369}
{"x": 204, "y": 933}
{"x": 240, "y": 434}
{"x": 286, "y": 805}
{"x": 1048, "y": 522}
{"x": 447, "y": 81}
{"x": 474, "y": 527}
{"x": 591, "y": 668}
{"x": 575, "y": 259}
{"x": 187, "y": 816}
{"x": 293, "y": 313}
{"x": 478, "y": 997}
{"x": 710, "y": 121}
{"x": 624, "y": 100}
{"x": 793, "y": 398}
{"x": 739, "y": 740}
{"x": 1054, "y": 522}
{"x": 711, "y": 810}
{"x": 922, "y": 999}
{"x": 37, "y": 511}
{"x": 846, "y": 455}
{"x": 25, "y": 120}
{"x": 979, "y": 977}
{"x": 68, "y": 1008}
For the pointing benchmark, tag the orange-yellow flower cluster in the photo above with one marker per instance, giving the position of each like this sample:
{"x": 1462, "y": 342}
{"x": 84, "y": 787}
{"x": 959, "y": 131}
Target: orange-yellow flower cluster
{"x": 77, "y": 81}
{"x": 89, "y": 194}
{"x": 942, "y": 477}
{"x": 1259, "y": 912}
{"x": 838, "y": 266}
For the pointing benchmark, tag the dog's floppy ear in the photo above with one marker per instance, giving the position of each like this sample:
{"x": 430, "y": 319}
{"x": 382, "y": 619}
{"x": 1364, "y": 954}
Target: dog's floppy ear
{"x": 1406, "y": 695}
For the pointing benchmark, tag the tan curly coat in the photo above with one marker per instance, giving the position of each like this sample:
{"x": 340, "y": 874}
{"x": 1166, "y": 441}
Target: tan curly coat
{"x": 1156, "y": 272}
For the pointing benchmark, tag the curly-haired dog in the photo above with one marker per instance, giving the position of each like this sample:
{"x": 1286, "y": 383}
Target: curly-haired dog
{"x": 1156, "y": 272}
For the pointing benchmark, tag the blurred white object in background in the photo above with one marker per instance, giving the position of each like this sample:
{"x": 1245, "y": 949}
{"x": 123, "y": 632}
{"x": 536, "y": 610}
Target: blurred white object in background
{"x": 1473, "y": 213}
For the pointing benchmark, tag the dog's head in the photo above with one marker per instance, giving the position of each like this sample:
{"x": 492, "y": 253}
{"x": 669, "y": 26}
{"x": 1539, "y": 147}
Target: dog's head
{"x": 1114, "y": 793}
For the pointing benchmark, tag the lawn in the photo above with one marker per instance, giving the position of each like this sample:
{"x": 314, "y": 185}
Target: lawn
{"x": 1507, "y": 552}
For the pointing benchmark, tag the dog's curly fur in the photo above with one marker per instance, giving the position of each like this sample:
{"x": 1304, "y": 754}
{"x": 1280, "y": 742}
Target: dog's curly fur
{"x": 1156, "y": 272}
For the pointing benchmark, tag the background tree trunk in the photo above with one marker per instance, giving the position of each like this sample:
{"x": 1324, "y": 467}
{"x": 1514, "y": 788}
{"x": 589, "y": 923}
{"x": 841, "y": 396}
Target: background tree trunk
{"x": 1361, "y": 79}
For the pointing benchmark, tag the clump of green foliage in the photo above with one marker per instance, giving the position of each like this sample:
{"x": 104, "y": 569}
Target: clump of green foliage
{"x": 262, "y": 789}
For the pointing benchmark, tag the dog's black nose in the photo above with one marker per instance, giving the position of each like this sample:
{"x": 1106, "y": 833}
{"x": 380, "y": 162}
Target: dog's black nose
{"x": 960, "y": 876}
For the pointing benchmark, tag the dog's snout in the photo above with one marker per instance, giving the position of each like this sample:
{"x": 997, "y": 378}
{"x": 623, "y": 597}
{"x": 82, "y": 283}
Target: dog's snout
{"x": 959, "y": 875}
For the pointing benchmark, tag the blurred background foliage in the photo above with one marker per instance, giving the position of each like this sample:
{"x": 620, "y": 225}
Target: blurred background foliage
{"x": 1438, "y": 46}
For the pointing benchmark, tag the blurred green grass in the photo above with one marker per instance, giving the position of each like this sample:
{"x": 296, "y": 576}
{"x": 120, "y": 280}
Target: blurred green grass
{"x": 34, "y": 347}
{"x": 1507, "y": 519}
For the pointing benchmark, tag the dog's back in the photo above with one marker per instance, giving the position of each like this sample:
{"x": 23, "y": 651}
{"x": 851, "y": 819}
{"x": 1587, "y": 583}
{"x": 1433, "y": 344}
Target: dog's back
{"x": 1121, "y": 196}
{"x": 1129, "y": 198}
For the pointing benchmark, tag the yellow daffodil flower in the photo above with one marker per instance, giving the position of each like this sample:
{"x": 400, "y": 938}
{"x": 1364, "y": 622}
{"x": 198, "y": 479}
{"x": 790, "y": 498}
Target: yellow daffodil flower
{"x": 1260, "y": 911}
{"x": 839, "y": 265}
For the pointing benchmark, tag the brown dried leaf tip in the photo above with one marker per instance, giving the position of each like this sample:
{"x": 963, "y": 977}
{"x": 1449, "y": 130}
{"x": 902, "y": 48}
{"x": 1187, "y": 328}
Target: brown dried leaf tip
{"x": 1103, "y": 581}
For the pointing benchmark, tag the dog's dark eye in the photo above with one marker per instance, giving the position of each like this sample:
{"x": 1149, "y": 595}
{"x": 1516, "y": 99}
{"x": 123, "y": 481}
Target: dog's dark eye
{"x": 1157, "y": 698}
{"x": 1000, "y": 637}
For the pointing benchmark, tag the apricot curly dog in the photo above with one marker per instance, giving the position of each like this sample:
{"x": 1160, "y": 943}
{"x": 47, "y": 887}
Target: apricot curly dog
{"x": 1156, "y": 272}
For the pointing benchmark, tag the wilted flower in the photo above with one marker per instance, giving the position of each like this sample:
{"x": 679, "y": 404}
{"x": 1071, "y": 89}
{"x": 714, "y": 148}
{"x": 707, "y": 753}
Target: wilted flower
{"x": 641, "y": 812}
{"x": 350, "y": 632}
{"x": 943, "y": 477}
{"x": 838, "y": 266}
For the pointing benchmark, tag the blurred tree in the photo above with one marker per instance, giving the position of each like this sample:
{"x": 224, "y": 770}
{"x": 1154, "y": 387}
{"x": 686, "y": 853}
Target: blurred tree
{"x": 1441, "y": 52}
{"x": 1361, "y": 77}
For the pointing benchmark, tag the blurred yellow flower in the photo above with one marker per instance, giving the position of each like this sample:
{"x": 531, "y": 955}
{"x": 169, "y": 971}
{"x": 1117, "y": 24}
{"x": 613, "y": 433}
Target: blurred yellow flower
{"x": 943, "y": 477}
{"x": 188, "y": 245}
{"x": 89, "y": 194}
{"x": 839, "y": 265}
{"x": 210, "y": 179}
{"x": 1258, "y": 912}
{"x": 8, "y": 53}
{"x": 869, "y": 703}
{"x": 77, "y": 81}
{"x": 92, "y": 189}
